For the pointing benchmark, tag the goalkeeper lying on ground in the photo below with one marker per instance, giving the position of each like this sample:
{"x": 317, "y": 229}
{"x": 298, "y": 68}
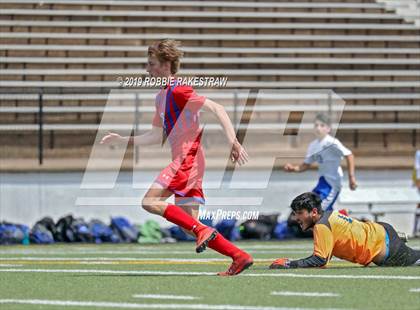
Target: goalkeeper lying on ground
{"x": 346, "y": 238}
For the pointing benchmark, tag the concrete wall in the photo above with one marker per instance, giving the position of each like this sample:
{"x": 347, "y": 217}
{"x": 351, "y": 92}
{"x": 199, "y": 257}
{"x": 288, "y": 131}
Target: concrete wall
{"x": 25, "y": 198}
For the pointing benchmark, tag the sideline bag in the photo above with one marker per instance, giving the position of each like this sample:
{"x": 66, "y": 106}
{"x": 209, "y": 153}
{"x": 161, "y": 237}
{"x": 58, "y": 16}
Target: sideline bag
{"x": 102, "y": 232}
{"x": 64, "y": 230}
{"x": 127, "y": 231}
{"x": 261, "y": 229}
{"x": 49, "y": 224}
{"x": 13, "y": 233}
{"x": 228, "y": 229}
{"x": 40, "y": 235}
{"x": 81, "y": 231}
{"x": 150, "y": 232}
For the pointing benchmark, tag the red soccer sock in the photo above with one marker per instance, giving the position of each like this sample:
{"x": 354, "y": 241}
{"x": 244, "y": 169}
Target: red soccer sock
{"x": 181, "y": 218}
{"x": 223, "y": 246}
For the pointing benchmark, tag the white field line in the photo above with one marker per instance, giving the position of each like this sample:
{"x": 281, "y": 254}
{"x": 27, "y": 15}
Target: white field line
{"x": 140, "y": 248}
{"x": 99, "y": 304}
{"x": 10, "y": 265}
{"x": 304, "y": 294}
{"x": 185, "y": 273}
{"x": 158, "y": 296}
{"x": 141, "y": 252}
{"x": 333, "y": 276}
{"x": 97, "y": 263}
{"x": 123, "y": 259}
{"x": 110, "y": 260}
{"x": 104, "y": 271}
{"x": 415, "y": 290}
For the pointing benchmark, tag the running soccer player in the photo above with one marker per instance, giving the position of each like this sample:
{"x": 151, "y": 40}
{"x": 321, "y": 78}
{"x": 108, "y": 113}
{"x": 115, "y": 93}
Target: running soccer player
{"x": 177, "y": 120}
{"x": 328, "y": 152}
{"x": 344, "y": 237}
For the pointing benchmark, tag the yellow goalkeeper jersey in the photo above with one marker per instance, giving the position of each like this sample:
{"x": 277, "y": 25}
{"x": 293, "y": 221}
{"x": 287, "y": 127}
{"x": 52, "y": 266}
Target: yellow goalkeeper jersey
{"x": 346, "y": 238}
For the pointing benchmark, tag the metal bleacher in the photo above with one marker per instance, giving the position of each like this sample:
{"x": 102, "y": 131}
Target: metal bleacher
{"x": 408, "y": 9}
{"x": 70, "y": 53}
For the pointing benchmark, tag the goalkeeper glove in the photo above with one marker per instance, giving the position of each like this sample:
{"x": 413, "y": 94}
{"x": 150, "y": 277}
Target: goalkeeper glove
{"x": 280, "y": 263}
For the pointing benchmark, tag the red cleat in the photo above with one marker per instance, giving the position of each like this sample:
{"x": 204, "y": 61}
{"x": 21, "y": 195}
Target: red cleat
{"x": 204, "y": 235}
{"x": 239, "y": 264}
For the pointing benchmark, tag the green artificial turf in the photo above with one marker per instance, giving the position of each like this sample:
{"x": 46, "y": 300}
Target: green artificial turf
{"x": 252, "y": 289}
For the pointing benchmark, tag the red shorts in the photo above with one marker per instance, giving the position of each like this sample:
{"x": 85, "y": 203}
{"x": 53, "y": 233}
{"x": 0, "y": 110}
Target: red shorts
{"x": 184, "y": 175}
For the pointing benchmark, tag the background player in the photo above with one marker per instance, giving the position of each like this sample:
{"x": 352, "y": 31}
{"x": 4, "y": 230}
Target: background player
{"x": 328, "y": 152}
{"x": 416, "y": 183}
{"x": 338, "y": 235}
{"x": 177, "y": 119}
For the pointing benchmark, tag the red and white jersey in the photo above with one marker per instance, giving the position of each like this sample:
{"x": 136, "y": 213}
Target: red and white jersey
{"x": 177, "y": 111}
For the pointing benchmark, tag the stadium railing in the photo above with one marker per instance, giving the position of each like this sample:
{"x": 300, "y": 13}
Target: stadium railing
{"x": 41, "y": 126}
{"x": 230, "y": 84}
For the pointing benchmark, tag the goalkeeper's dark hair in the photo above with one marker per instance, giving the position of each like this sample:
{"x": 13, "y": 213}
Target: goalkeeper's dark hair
{"x": 307, "y": 201}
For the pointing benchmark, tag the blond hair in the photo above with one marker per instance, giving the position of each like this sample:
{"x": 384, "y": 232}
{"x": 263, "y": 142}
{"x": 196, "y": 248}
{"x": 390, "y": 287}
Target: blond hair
{"x": 167, "y": 50}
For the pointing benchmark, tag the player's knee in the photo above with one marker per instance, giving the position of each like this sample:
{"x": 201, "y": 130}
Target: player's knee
{"x": 148, "y": 205}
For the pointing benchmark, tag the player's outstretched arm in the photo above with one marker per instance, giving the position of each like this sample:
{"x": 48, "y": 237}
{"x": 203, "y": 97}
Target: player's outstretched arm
{"x": 323, "y": 246}
{"x": 312, "y": 261}
{"x": 238, "y": 153}
{"x": 153, "y": 136}
{"x": 351, "y": 169}
{"x": 296, "y": 168}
